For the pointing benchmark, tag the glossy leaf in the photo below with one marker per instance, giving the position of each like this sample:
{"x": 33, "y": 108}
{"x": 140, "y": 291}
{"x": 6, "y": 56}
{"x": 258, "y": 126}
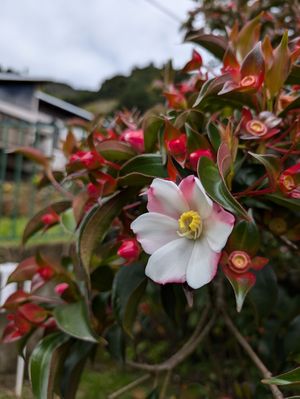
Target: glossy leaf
{"x": 102, "y": 278}
{"x": 128, "y": 288}
{"x": 266, "y": 282}
{"x": 152, "y": 123}
{"x": 289, "y": 378}
{"x": 34, "y": 155}
{"x": 24, "y": 271}
{"x": 73, "y": 319}
{"x": 96, "y": 223}
{"x": 35, "y": 224}
{"x": 248, "y": 36}
{"x": 286, "y": 202}
{"x": 279, "y": 71}
{"x": 68, "y": 221}
{"x": 214, "y": 44}
{"x": 195, "y": 140}
{"x": 294, "y": 75}
{"x": 44, "y": 363}
{"x": 241, "y": 285}
{"x": 214, "y": 135}
{"x": 114, "y": 150}
{"x": 141, "y": 169}
{"x": 272, "y": 165}
{"x": 244, "y": 237}
{"x": 73, "y": 367}
{"x": 217, "y": 189}
{"x": 116, "y": 342}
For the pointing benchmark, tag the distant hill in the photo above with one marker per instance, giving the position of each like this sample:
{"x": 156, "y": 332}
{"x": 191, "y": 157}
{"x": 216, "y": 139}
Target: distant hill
{"x": 134, "y": 91}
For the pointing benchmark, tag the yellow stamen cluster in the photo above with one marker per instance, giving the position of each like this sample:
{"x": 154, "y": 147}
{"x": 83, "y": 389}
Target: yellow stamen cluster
{"x": 289, "y": 182}
{"x": 239, "y": 261}
{"x": 257, "y": 128}
{"x": 190, "y": 225}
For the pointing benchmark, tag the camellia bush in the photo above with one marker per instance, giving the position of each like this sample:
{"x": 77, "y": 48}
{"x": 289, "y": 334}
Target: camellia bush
{"x": 184, "y": 226}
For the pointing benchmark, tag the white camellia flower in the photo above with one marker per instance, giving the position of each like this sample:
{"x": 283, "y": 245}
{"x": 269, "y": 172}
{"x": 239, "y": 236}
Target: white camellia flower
{"x": 184, "y": 232}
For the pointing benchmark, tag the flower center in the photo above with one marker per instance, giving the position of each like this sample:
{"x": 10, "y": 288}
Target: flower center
{"x": 239, "y": 261}
{"x": 248, "y": 80}
{"x": 289, "y": 182}
{"x": 190, "y": 225}
{"x": 278, "y": 225}
{"x": 256, "y": 128}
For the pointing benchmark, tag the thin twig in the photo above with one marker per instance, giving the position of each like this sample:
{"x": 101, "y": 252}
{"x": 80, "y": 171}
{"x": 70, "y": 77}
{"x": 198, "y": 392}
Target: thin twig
{"x": 130, "y": 386}
{"x": 187, "y": 349}
{"x": 277, "y": 394}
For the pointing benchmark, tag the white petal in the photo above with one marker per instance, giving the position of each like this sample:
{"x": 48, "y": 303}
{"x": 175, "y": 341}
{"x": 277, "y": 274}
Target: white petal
{"x": 203, "y": 264}
{"x": 166, "y": 198}
{"x": 153, "y": 230}
{"x": 218, "y": 227}
{"x": 195, "y": 196}
{"x": 169, "y": 263}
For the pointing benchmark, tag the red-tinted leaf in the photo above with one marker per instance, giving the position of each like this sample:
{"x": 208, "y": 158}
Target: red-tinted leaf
{"x": 259, "y": 262}
{"x": 33, "y": 313}
{"x": 279, "y": 71}
{"x": 248, "y": 36}
{"x": 15, "y": 299}
{"x": 34, "y": 155}
{"x": 215, "y": 44}
{"x": 241, "y": 285}
{"x": 24, "y": 271}
{"x": 35, "y": 224}
{"x": 70, "y": 144}
{"x": 11, "y": 333}
{"x": 254, "y": 64}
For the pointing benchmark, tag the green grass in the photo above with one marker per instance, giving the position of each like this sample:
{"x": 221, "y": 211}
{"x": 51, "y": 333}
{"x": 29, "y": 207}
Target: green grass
{"x": 11, "y": 231}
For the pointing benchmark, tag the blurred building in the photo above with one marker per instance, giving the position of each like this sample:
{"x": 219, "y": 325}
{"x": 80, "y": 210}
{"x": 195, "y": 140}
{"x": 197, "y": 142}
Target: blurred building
{"x": 29, "y": 117}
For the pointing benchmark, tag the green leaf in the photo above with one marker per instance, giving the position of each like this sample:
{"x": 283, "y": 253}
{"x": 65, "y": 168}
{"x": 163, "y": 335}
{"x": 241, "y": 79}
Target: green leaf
{"x": 294, "y": 76}
{"x": 291, "y": 339}
{"x": 128, "y": 288}
{"x": 241, "y": 286}
{"x": 293, "y": 105}
{"x": 102, "y": 278}
{"x": 279, "y": 71}
{"x": 68, "y": 221}
{"x": 266, "y": 282}
{"x": 141, "y": 170}
{"x": 279, "y": 199}
{"x": 116, "y": 342}
{"x": 244, "y": 237}
{"x": 44, "y": 363}
{"x": 195, "y": 140}
{"x": 35, "y": 224}
{"x": 214, "y": 135}
{"x": 72, "y": 318}
{"x": 289, "y": 378}
{"x": 272, "y": 165}
{"x": 173, "y": 302}
{"x": 152, "y": 124}
{"x": 248, "y": 36}
{"x": 114, "y": 150}
{"x": 75, "y": 361}
{"x": 214, "y": 44}
{"x": 96, "y": 224}
{"x": 216, "y": 188}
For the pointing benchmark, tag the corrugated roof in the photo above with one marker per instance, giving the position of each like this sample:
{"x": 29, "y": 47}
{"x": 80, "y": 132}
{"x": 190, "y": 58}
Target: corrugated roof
{"x": 64, "y": 105}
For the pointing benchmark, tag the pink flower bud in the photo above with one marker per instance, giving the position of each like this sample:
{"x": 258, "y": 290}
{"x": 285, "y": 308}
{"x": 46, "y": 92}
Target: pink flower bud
{"x": 129, "y": 249}
{"x": 196, "y": 155}
{"x": 289, "y": 181}
{"x": 135, "y": 138}
{"x": 45, "y": 272}
{"x": 48, "y": 219}
{"x": 61, "y": 288}
{"x": 177, "y": 146}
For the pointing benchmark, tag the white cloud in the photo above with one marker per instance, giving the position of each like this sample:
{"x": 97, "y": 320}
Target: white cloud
{"x": 84, "y": 42}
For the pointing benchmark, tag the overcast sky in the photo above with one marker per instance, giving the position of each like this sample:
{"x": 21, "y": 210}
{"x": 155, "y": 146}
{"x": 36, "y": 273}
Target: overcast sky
{"x": 83, "y": 42}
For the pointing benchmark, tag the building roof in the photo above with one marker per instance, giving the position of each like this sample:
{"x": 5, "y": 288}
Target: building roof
{"x": 14, "y": 77}
{"x": 64, "y": 105}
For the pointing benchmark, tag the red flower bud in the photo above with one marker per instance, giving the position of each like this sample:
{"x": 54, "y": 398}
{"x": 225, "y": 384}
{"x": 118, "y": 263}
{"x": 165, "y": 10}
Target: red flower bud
{"x": 61, "y": 288}
{"x": 177, "y": 146}
{"x": 135, "y": 138}
{"x": 196, "y": 155}
{"x": 46, "y": 272}
{"x": 129, "y": 249}
{"x": 48, "y": 219}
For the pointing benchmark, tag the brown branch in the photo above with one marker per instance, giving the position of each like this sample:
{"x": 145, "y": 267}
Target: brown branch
{"x": 130, "y": 386}
{"x": 187, "y": 349}
{"x": 166, "y": 382}
{"x": 253, "y": 356}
